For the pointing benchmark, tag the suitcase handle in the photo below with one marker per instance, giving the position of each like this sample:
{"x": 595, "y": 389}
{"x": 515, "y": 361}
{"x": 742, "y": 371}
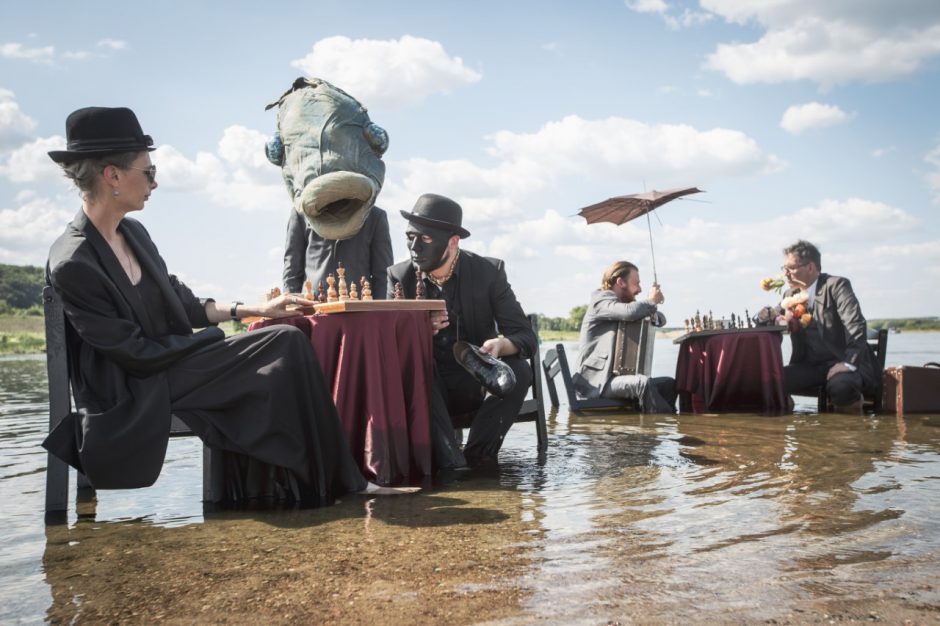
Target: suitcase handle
{"x": 932, "y": 364}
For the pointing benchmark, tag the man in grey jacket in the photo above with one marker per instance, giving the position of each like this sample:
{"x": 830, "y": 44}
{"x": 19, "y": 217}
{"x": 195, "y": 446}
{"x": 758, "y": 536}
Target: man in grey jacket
{"x": 613, "y": 303}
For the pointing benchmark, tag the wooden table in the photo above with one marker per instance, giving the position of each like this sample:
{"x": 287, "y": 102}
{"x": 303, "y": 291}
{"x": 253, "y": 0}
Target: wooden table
{"x": 378, "y": 364}
{"x": 732, "y": 370}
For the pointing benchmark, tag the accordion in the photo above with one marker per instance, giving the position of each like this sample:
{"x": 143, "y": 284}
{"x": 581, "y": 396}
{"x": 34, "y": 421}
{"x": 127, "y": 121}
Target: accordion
{"x": 633, "y": 348}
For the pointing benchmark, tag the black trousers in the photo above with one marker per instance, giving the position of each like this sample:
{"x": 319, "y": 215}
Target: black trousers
{"x": 843, "y": 389}
{"x": 262, "y": 395}
{"x": 457, "y": 394}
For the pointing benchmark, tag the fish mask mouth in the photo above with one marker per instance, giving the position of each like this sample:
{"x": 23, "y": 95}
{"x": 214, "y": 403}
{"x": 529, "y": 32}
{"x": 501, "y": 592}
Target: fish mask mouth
{"x": 337, "y": 204}
{"x": 495, "y": 375}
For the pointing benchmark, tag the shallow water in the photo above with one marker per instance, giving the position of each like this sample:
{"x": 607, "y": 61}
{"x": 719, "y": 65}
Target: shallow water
{"x": 630, "y": 519}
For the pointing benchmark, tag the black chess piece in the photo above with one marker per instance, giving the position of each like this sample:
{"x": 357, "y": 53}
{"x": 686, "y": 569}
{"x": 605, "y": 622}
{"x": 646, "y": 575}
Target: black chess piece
{"x": 747, "y": 316}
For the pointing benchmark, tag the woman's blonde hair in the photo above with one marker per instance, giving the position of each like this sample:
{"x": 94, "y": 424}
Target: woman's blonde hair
{"x": 620, "y": 268}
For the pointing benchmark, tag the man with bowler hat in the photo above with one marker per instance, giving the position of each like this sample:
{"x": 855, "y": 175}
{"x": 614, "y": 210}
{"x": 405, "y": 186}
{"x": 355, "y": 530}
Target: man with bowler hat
{"x": 481, "y": 310}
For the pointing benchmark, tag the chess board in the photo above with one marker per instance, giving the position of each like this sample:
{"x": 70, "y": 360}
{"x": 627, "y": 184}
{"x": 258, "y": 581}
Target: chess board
{"x": 354, "y": 306}
{"x": 730, "y": 331}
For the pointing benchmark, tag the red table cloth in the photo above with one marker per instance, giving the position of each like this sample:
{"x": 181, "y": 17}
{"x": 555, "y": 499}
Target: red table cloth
{"x": 378, "y": 365}
{"x": 732, "y": 371}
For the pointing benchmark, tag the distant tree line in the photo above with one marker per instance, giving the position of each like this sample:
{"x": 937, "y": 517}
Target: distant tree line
{"x": 21, "y": 288}
{"x": 572, "y": 322}
{"x": 907, "y": 323}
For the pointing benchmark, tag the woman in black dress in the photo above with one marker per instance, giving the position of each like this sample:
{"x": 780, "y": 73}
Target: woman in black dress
{"x": 134, "y": 359}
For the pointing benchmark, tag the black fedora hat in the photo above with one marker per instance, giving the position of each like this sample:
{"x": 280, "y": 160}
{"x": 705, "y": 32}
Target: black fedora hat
{"x": 438, "y": 212}
{"x": 492, "y": 373}
{"x": 99, "y": 131}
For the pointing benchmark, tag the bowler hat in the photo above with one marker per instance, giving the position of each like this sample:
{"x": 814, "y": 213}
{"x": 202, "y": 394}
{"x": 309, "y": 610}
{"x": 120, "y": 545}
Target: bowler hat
{"x": 492, "y": 373}
{"x": 438, "y": 212}
{"x": 99, "y": 131}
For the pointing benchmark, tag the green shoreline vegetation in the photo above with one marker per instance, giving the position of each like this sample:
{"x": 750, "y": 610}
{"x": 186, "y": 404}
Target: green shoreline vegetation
{"x": 22, "y": 328}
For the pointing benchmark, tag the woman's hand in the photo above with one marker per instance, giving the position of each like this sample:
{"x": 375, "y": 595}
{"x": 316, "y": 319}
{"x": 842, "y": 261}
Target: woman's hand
{"x": 439, "y": 321}
{"x": 285, "y": 305}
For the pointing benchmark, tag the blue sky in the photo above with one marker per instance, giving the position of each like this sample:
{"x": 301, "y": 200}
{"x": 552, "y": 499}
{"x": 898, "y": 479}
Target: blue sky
{"x": 799, "y": 121}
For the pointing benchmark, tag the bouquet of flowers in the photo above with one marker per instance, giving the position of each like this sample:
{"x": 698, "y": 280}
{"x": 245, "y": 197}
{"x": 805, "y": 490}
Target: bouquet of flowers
{"x": 775, "y": 284}
{"x": 795, "y": 314}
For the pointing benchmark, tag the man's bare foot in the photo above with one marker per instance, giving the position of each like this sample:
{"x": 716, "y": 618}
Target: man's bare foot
{"x": 378, "y": 490}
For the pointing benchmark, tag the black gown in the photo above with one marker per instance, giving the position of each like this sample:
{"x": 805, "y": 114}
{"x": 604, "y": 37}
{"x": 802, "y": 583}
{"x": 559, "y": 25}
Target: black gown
{"x": 262, "y": 396}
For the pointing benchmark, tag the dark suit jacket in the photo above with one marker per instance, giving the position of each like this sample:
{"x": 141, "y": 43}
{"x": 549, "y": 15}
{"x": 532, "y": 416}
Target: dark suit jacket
{"x": 308, "y": 256}
{"x": 118, "y": 436}
{"x": 487, "y": 300}
{"x": 842, "y": 327}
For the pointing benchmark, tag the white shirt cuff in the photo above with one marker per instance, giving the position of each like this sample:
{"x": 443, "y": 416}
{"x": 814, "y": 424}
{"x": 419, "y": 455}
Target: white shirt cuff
{"x": 851, "y": 367}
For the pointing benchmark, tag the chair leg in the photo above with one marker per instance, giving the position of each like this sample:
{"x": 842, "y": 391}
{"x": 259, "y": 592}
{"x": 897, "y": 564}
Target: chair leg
{"x": 213, "y": 478}
{"x": 822, "y": 401}
{"x": 57, "y": 489}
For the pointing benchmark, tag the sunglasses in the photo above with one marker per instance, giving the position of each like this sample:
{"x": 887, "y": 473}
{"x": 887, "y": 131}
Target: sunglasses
{"x": 150, "y": 172}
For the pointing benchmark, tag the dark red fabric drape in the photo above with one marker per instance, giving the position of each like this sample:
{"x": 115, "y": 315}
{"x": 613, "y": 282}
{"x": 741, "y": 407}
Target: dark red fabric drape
{"x": 378, "y": 364}
{"x": 731, "y": 372}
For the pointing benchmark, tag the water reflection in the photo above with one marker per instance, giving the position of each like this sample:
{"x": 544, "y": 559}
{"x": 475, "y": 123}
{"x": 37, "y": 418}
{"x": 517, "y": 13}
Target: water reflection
{"x": 628, "y": 518}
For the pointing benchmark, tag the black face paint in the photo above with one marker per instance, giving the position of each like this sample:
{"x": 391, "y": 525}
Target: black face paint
{"x": 427, "y": 246}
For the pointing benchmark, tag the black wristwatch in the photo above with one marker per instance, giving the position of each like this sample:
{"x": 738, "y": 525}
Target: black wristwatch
{"x": 233, "y": 312}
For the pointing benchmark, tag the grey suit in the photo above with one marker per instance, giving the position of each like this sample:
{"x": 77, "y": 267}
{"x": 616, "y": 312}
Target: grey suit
{"x": 594, "y": 377}
{"x": 837, "y": 333}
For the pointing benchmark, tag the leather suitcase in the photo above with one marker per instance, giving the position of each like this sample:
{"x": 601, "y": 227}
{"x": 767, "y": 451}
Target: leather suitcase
{"x": 909, "y": 389}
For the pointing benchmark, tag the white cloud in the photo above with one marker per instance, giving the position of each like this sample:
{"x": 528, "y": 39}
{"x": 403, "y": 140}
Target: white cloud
{"x": 27, "y": 232}
{"x": 30, "y": 162}
{"x": 15, "y": 126}
{"x": 647, "y": 6}
{"x": 800, "y": 117}
{"x": 77, "y": 55}
{"x": 390, "y": 72}
{"x": 684, "y": 19}
{"x": 670, "y": 153}
{"x": 19, "y": 51}
{"x": 933, "y": 177}
{"x": 113, "y": 44}
{"x": 238, "y": 177}
{"x": 830, "y": 43}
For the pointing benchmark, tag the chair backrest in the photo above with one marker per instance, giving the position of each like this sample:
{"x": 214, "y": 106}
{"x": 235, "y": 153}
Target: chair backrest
{"x": 60, "y": 404}
{"x": 556, "y": 361}
{"x": 878, "y": 342}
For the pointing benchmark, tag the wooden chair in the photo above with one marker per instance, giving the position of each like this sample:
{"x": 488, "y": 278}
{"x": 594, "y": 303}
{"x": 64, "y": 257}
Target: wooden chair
{"x": 533, "y": 408}
{"x": 555, "y": 362}
{"x": 878, "y": 343}
{"x": 60, "y": 405}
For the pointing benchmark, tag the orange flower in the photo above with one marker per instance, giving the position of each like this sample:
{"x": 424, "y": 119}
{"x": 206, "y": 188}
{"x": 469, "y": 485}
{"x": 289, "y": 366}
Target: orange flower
{"x": 805, "y": 319}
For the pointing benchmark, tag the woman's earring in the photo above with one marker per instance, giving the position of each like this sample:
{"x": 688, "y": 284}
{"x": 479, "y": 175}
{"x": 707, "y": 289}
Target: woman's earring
{"x": 115, "y": 193}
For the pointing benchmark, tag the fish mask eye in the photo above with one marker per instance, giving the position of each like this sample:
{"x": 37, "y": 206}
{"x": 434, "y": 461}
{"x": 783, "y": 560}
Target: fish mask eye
{"x": 274, "y": 150}
{"x": 377, "y": 137}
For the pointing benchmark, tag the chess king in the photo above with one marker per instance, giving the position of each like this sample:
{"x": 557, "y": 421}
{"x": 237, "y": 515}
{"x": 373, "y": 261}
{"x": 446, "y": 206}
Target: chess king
{"x": 481, "y": 310}
{"x": 330, "y": 155}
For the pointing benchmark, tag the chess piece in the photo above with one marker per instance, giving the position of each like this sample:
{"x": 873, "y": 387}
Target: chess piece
{"x": 420, "y": 291}
{"x": 308, "y": 290}
{"x": 711, "y": 320}
{"x": 341, "y": 282}
{"x": 366, "y": 289}
{"x": 688, "y": 328}
{"x": 331, "y": 295}
{"x": 353, "y": 293}
{"x": 697, "y": 321}
{"x": 321, "y": 294}
{"x": 734, "y": 321}
{"x": 747, "y": 316}
{"x": 398, "y": 294}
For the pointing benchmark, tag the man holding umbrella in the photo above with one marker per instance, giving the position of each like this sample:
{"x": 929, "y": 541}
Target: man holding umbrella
{"x": 613, "y": 303}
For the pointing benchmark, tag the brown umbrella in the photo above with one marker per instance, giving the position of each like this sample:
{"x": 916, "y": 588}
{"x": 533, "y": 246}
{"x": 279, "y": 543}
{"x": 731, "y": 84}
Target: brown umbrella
{"x": 622, "y": 209}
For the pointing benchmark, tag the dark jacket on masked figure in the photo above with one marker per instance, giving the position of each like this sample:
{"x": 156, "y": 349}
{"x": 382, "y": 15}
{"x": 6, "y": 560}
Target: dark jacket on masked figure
{"x": 118, "y": 436}
{"x": 487, "y": 301}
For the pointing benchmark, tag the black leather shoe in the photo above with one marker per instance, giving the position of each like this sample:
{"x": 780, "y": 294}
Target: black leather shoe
{"x": 496, "y": 376}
